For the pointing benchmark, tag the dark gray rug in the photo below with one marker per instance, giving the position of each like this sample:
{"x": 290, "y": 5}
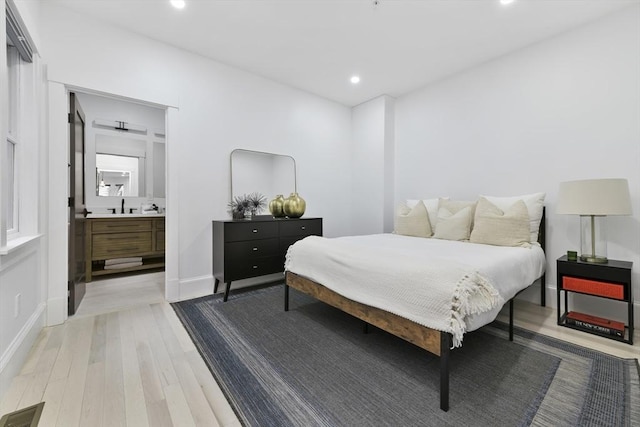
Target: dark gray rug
{"x": 314, "y": 366}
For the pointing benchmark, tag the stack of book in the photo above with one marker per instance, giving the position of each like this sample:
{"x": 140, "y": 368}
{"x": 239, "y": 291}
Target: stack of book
{"x": 595, "y": 324}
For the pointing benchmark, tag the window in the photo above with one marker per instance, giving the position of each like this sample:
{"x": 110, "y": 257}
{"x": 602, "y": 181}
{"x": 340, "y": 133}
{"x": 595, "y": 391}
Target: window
{"x": 20, "y": 154}
{"x": 13, "y": 91}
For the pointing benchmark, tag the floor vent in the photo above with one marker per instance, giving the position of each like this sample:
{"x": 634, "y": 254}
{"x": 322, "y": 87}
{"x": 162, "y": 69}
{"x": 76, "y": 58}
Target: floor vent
{"x": 26, "y": 417}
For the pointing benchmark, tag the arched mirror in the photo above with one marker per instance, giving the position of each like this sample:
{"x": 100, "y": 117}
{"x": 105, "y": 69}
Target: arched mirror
{"x": 266, "y": 173}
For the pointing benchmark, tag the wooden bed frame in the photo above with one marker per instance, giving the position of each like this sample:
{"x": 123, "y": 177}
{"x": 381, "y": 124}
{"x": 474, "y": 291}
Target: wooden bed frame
{"x": 434, "y": 341}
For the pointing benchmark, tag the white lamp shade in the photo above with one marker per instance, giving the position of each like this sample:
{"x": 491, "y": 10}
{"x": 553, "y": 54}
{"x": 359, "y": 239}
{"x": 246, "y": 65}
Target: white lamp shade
{"x": 594, "y": 197}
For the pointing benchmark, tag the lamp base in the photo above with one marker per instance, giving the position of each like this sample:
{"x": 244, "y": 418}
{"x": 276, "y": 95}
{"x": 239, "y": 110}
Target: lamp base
{"x": 594, "y": 259}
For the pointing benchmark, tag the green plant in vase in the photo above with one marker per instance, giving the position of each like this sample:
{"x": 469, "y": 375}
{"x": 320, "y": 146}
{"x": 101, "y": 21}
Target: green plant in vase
{"x": 247, "y": 205}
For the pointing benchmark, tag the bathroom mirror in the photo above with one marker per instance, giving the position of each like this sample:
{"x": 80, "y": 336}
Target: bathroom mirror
{"x": 125, "y": 166}
{"x": 266, "y": 173}
{"x": 119, "y": 176}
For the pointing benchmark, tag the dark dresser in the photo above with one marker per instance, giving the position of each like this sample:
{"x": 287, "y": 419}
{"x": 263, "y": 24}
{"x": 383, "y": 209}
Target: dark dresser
{"x": 249, "y": 248}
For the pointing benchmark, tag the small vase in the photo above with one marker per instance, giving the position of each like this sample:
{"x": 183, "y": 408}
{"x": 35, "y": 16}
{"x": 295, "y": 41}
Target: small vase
{"x": 294, "y": 206}
{"x": 276, "y": 206}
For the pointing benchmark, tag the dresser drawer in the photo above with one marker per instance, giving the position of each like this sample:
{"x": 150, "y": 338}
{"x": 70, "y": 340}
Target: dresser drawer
{"x": 251, "y": 249}
{"x": 116, "y": 245}
{"x": 238, "y": 231}
{"x": 243, "y": 269}
{"x": 301, "y": 227}
{"x": 593, "y": 287}
{"x": 124, "y": 225}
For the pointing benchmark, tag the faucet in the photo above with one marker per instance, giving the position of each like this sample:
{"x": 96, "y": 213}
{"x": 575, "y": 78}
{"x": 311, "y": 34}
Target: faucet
{"x": 122, "y": 208}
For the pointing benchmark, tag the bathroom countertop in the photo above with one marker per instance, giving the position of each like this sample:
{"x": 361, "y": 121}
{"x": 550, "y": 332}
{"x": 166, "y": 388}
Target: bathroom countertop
{"x": 125, "y": 215}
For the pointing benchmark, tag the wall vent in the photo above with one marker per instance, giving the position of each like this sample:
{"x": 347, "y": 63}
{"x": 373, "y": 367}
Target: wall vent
{"x": 26, "y": 417}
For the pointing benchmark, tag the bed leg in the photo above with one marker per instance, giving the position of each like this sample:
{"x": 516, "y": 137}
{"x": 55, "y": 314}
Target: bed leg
{"x": 445, "y": 347}
{"x": 543, "y": 293}
{"x": 286, "y": 297}
{"x": 365, "y": 328}
{"x": 511, "y": 319}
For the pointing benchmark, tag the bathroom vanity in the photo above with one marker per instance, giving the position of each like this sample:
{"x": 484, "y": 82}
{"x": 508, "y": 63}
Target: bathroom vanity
{"x": 111, "y": 237}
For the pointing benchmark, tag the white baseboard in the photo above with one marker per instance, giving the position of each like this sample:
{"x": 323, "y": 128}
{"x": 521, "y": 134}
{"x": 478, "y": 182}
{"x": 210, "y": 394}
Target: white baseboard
{"x": 172, "y": 289}
{"x": 13, "y": 358}
{"x": 195, "y": 287}
{"x": 56, "y": 311}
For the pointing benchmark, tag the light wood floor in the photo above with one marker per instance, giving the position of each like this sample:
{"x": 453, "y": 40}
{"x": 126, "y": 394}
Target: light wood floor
{"x": 125, "y": 359}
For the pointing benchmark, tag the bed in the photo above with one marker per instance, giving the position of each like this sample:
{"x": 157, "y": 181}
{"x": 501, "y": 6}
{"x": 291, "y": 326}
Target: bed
{"x": 325, "y": 270}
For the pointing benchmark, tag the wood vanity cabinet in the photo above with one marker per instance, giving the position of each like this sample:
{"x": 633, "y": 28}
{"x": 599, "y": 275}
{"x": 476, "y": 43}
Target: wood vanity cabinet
{"x": 124, "y": 237}
{"x": 250, "y": 248}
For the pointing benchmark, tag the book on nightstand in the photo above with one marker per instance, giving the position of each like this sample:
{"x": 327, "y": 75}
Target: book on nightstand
{"x": 594, "y": 323}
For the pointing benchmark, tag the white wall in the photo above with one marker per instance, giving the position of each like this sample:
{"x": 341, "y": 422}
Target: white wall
{"x": 372, "y": 166}
{"x": 215, "y": 108}
{"x": 563, "y": 109}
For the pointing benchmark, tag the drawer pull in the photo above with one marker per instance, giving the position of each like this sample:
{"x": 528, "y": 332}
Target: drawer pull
{"x": 255, "y": 249}
{"x": 254, "y": 230}
{"x": 255, "y": 266}
{"x": 303, "y": 228}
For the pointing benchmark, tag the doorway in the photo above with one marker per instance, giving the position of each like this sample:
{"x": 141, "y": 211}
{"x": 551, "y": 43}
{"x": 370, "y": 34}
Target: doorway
{"x": 130, "y": 135}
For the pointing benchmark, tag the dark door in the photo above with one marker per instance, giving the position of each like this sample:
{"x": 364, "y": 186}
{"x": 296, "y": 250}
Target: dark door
{"x": 77, "y": 207}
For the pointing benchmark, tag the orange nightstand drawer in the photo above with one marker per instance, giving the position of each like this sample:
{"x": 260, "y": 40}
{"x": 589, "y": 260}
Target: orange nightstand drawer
{"x": 592, "y": 287}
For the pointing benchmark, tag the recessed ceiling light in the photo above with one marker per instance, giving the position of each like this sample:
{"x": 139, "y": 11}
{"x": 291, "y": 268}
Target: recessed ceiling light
{"x": 506, "y": 2}
{"x": 178, "y": 4}
{"x": 355, "y": 79}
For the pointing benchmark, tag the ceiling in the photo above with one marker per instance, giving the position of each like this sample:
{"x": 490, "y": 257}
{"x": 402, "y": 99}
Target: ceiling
{"x": 395, "y": 46}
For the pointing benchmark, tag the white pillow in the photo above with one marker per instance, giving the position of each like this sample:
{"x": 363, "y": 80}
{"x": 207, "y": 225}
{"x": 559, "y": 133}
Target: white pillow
{"x": 432, "y": 208}
{"x": 492, "y": 226}
{"x": 535, "y": 204}
{"x": 412, "y": 221}
{"x": 454, "y": 224}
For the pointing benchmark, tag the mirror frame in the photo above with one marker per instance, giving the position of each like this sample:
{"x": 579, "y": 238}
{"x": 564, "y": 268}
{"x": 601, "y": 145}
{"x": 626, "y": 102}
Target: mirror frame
{"x": 295, "y": 171}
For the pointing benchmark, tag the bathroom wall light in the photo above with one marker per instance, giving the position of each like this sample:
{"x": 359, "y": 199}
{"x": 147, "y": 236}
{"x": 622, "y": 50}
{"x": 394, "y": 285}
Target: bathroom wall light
{"x": 355, "y": 79}
{"x": 178, "y": 4}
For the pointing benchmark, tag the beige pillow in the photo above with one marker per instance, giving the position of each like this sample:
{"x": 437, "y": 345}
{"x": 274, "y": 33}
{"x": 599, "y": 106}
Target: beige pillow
{"x": 535, "y": 205}
{"x": 432, "y": 208}
{"x": 412, "y": 221}
{"x": 454, "y": 220}
{"x": 495, "y": 227}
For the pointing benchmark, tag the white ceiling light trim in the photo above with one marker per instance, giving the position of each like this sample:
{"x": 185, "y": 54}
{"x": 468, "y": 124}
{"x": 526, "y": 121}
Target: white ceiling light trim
{"x": 355, "y": 79}
{"x": 506, "y": 2}
{"x": 178, "y": 4}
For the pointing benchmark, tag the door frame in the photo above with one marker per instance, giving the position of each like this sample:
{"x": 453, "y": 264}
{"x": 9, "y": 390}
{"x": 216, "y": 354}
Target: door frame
{"x": 57, "y": 223}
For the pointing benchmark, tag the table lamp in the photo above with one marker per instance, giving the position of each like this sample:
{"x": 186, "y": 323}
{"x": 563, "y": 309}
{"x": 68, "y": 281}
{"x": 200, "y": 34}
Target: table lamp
{"x": 594, "y": 200}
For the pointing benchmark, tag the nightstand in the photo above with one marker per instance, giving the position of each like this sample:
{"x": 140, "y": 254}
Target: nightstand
{"x": 611, "y": 280}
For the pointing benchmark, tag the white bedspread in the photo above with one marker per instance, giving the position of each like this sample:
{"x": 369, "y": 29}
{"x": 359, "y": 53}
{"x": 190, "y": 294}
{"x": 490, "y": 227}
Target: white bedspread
{"x": 445, "y": 285}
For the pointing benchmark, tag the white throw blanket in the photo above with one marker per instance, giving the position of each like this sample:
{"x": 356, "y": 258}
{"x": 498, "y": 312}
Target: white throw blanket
{"x": 439, "y": 295}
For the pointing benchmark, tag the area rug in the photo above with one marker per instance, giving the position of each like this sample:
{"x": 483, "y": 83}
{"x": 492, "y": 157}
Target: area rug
{"x": 314, "y": 366}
